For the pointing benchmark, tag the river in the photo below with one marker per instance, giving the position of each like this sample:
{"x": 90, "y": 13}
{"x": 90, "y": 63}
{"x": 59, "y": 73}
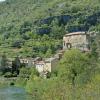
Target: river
{"x": 14, "y": 93}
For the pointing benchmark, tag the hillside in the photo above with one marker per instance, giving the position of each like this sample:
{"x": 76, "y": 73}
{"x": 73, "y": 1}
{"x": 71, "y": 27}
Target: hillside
{"x": 23, "y": 23}
{"x": 34, "y": 29}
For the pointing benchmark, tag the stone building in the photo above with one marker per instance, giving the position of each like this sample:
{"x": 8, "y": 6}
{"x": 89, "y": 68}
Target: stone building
{"x": 40, "y": 65}
{"x": 29, "y": 62}
{"x": 51, "y": 63}
{"x": 79, "y": 40}
{"x": 46, "y": 65}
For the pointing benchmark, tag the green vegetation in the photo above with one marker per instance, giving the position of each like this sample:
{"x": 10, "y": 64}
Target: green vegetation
{"x": 30, "y": 20}
{"x": 3, "y": 63}
{"x": 75, "y": 66}
{"x": 77, "y": 78}
{"x": 9, "y": 69}
{"x": 31, "y": 28}
{"x": 24, "y": 75}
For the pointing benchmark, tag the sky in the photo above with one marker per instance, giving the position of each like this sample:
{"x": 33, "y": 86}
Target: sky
{"x": 2, "y": 0}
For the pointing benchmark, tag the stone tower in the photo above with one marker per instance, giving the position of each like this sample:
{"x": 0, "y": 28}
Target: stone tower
{"x": 79, "y": 40}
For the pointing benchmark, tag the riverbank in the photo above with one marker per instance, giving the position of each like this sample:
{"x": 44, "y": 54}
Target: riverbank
{"x": 6, "y": 81}
{"x": 15, "y": 93}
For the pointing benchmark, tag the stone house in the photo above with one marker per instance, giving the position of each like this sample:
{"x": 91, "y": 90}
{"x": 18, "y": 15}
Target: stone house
{"x": 79, "y": 40}
{"x": 40, "y": 65}
{"x": 51, "y": 63}
{"x": 28, "y": 62}
{"x": 46, "y": 65}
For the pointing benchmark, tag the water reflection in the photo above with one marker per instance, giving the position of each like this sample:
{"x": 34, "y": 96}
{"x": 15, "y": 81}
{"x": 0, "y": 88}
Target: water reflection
{"x": 14, "y": 93}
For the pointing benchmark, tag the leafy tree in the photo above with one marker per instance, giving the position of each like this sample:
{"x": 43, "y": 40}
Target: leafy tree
{"x": 25, "y": 27}
{"x": 57, "y": 30}
{"x": 74, "y": 64}
{"x": 95, "y": 44}
{"x": 45, "y": 37}
{"x": 25, "y": 73}
{"x": 48, "y": 53}
{"x": 17, "y": 43}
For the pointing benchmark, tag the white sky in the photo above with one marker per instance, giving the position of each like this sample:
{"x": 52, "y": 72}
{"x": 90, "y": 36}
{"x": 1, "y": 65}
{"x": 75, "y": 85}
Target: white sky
{"x": 2, "y": 0}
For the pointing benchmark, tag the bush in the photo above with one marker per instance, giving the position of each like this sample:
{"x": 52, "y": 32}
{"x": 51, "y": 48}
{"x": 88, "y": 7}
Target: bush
{"x": 14, "y": 74}
{"x": 1, "y": 73}
{"x": 8, "y": 74}
{"x": 17, "y": 44}
{"x": 48, "y": 75}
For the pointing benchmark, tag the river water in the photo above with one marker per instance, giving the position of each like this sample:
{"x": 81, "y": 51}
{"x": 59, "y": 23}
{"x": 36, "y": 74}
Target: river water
{"x": 14, "y": 93}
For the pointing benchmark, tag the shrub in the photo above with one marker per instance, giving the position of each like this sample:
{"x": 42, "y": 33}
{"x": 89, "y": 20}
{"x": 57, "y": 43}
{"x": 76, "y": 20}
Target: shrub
{"x": 8, "y": 74}
{"x": 1, "y": 73}
{"x": 17, "y": 43}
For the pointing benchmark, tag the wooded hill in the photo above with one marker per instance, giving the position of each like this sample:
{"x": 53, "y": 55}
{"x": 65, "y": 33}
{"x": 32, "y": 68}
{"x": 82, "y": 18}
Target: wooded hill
{"x": 22, "y": 21}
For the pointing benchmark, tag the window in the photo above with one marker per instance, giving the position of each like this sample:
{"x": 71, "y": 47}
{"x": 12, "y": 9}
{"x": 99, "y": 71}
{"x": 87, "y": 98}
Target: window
{"x": 68, "y": 45}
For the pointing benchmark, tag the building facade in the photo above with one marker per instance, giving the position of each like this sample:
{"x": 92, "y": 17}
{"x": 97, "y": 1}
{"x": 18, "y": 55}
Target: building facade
{"x": 28, "y": 62}
{"x": 40, "y": 65}
{"x": 46, "y": 65}
{"x": 79, "y": 40}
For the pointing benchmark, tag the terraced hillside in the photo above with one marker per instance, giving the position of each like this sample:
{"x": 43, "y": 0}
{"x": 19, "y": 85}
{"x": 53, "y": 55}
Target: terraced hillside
{"x": 23, "y": 24}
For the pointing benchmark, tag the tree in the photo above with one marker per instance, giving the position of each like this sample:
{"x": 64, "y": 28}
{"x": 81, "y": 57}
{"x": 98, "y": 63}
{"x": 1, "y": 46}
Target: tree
{"x": 57, "y": 30}
{"x": 48, "y": 53}
{"x": 16, "y": 64}
{"x": 45, "y": 37}
{"x": 4, "y": 63}
{"x": 73, "y": 65}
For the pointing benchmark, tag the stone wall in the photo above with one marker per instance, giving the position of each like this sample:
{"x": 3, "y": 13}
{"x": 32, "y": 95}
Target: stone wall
{"x": 79, "y": 40}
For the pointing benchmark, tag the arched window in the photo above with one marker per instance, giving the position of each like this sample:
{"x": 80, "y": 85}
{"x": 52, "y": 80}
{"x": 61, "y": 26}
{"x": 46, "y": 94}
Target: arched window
{"x": 68, "y": 45}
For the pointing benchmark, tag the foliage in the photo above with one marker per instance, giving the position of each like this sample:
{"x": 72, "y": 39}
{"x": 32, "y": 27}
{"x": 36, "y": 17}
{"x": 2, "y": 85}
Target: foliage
{"x": 17, "y": 44}
{"x": 16, "y": 64}
{"x": 24, "y": 75}
{"x": 77, "y": 75}
{"x": 31, "y": 28}
{"x": 74, "y": 64}
{"x": 19, "y": 27}
{"x": 8, "y": 74}
{"x": 4, "y": 63}
{"x": 1, "y": 73}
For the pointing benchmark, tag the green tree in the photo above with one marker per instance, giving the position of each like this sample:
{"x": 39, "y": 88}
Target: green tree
{"x": 74, "y": 64}
{"x": 45, "y": 37}
{"x": 57, "y": 30}
{"x": 4, "y": 62}
{"x": 16, "y": 64}
{"x": 48, "y": 53}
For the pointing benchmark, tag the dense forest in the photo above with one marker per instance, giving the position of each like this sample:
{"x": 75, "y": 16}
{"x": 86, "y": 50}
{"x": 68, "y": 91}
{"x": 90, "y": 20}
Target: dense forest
{"x": 31, "y": 28}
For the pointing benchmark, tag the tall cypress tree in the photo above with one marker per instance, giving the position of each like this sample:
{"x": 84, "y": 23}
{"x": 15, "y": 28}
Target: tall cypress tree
{"x": 4, "y": 63}
{"x": 16, "y": 65}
